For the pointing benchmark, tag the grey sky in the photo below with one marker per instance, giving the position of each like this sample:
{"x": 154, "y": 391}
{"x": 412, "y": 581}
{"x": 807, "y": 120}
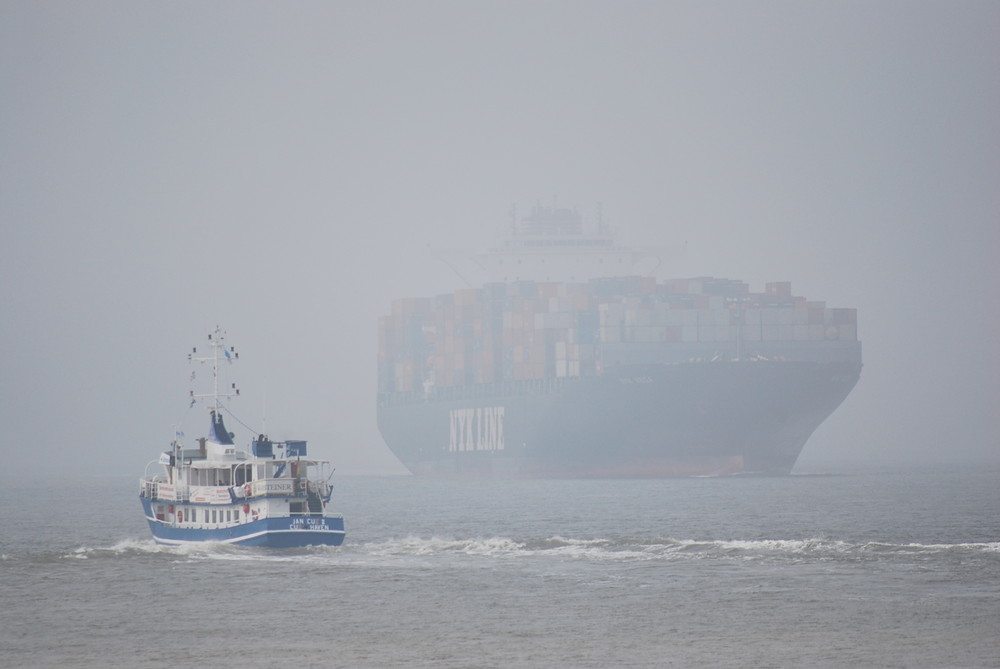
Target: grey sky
{"x": 284, "y": 169}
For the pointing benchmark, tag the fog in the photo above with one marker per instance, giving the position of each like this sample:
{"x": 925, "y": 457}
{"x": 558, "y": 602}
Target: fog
{"x": 285, "y": 170}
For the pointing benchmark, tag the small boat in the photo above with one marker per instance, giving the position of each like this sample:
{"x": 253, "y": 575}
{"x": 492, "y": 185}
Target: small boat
{"x": 272, "y": 495}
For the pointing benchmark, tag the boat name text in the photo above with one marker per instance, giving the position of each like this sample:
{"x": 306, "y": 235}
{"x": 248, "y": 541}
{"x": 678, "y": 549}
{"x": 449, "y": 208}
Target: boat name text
{"x": 272, "y": 486}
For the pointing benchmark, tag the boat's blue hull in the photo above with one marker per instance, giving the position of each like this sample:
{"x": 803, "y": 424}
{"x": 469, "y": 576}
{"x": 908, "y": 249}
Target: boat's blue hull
{"x": 281, "y": 532}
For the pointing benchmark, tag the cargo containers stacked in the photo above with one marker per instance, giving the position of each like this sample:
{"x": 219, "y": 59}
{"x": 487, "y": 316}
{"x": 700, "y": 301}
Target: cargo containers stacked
{"x": 549, "y": 370}
{"x": 540, "y": 330}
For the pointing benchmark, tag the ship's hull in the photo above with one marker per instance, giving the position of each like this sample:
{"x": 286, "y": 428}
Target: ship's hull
{"x": 642, "y": 420}
{"x": 273, "y": 532}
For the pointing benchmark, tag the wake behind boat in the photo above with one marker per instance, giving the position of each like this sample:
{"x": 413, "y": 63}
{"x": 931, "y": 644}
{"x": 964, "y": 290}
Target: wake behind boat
{"x": 273, "y": 495}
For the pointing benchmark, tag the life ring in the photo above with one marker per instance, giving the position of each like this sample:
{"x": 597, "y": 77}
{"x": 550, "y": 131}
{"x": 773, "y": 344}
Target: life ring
{"x": 246, "y": 508}
{"x": 246, "y": 490}
{"x": 180, "y": 516}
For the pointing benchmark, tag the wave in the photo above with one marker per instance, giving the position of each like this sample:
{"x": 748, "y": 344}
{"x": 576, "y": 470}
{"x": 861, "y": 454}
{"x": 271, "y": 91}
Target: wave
{"x": 123, "y": 547}
{"x": 194, "y": 551}
{"x": 143, "y": 547}
{"x": 621, "y": 549}
{"x": 412, "y": 545}
{"x": 644, "y": 549}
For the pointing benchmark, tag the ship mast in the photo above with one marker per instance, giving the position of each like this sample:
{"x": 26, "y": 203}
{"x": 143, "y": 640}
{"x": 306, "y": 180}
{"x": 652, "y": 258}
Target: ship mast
{"x": 217, "y": 342}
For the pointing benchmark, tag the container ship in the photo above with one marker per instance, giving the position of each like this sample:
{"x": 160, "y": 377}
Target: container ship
{"x": 576, "y": 374}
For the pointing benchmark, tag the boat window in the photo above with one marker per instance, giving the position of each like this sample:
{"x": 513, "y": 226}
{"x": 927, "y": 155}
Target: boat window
{"x": 213, "y": 515}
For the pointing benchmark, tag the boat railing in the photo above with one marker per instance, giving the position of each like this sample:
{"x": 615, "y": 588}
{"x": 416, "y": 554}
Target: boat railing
{"x": 321, "y": 488}
{"x": 147, "y": 488}
{"x": 160, "y": 489}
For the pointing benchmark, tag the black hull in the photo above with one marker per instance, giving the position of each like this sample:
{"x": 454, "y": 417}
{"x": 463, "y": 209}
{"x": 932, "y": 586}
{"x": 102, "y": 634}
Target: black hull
{"x": 655, "y": 420}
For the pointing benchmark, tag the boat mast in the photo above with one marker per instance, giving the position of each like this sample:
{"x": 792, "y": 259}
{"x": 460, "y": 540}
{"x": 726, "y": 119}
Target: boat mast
{"x": 217, "y": 340}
